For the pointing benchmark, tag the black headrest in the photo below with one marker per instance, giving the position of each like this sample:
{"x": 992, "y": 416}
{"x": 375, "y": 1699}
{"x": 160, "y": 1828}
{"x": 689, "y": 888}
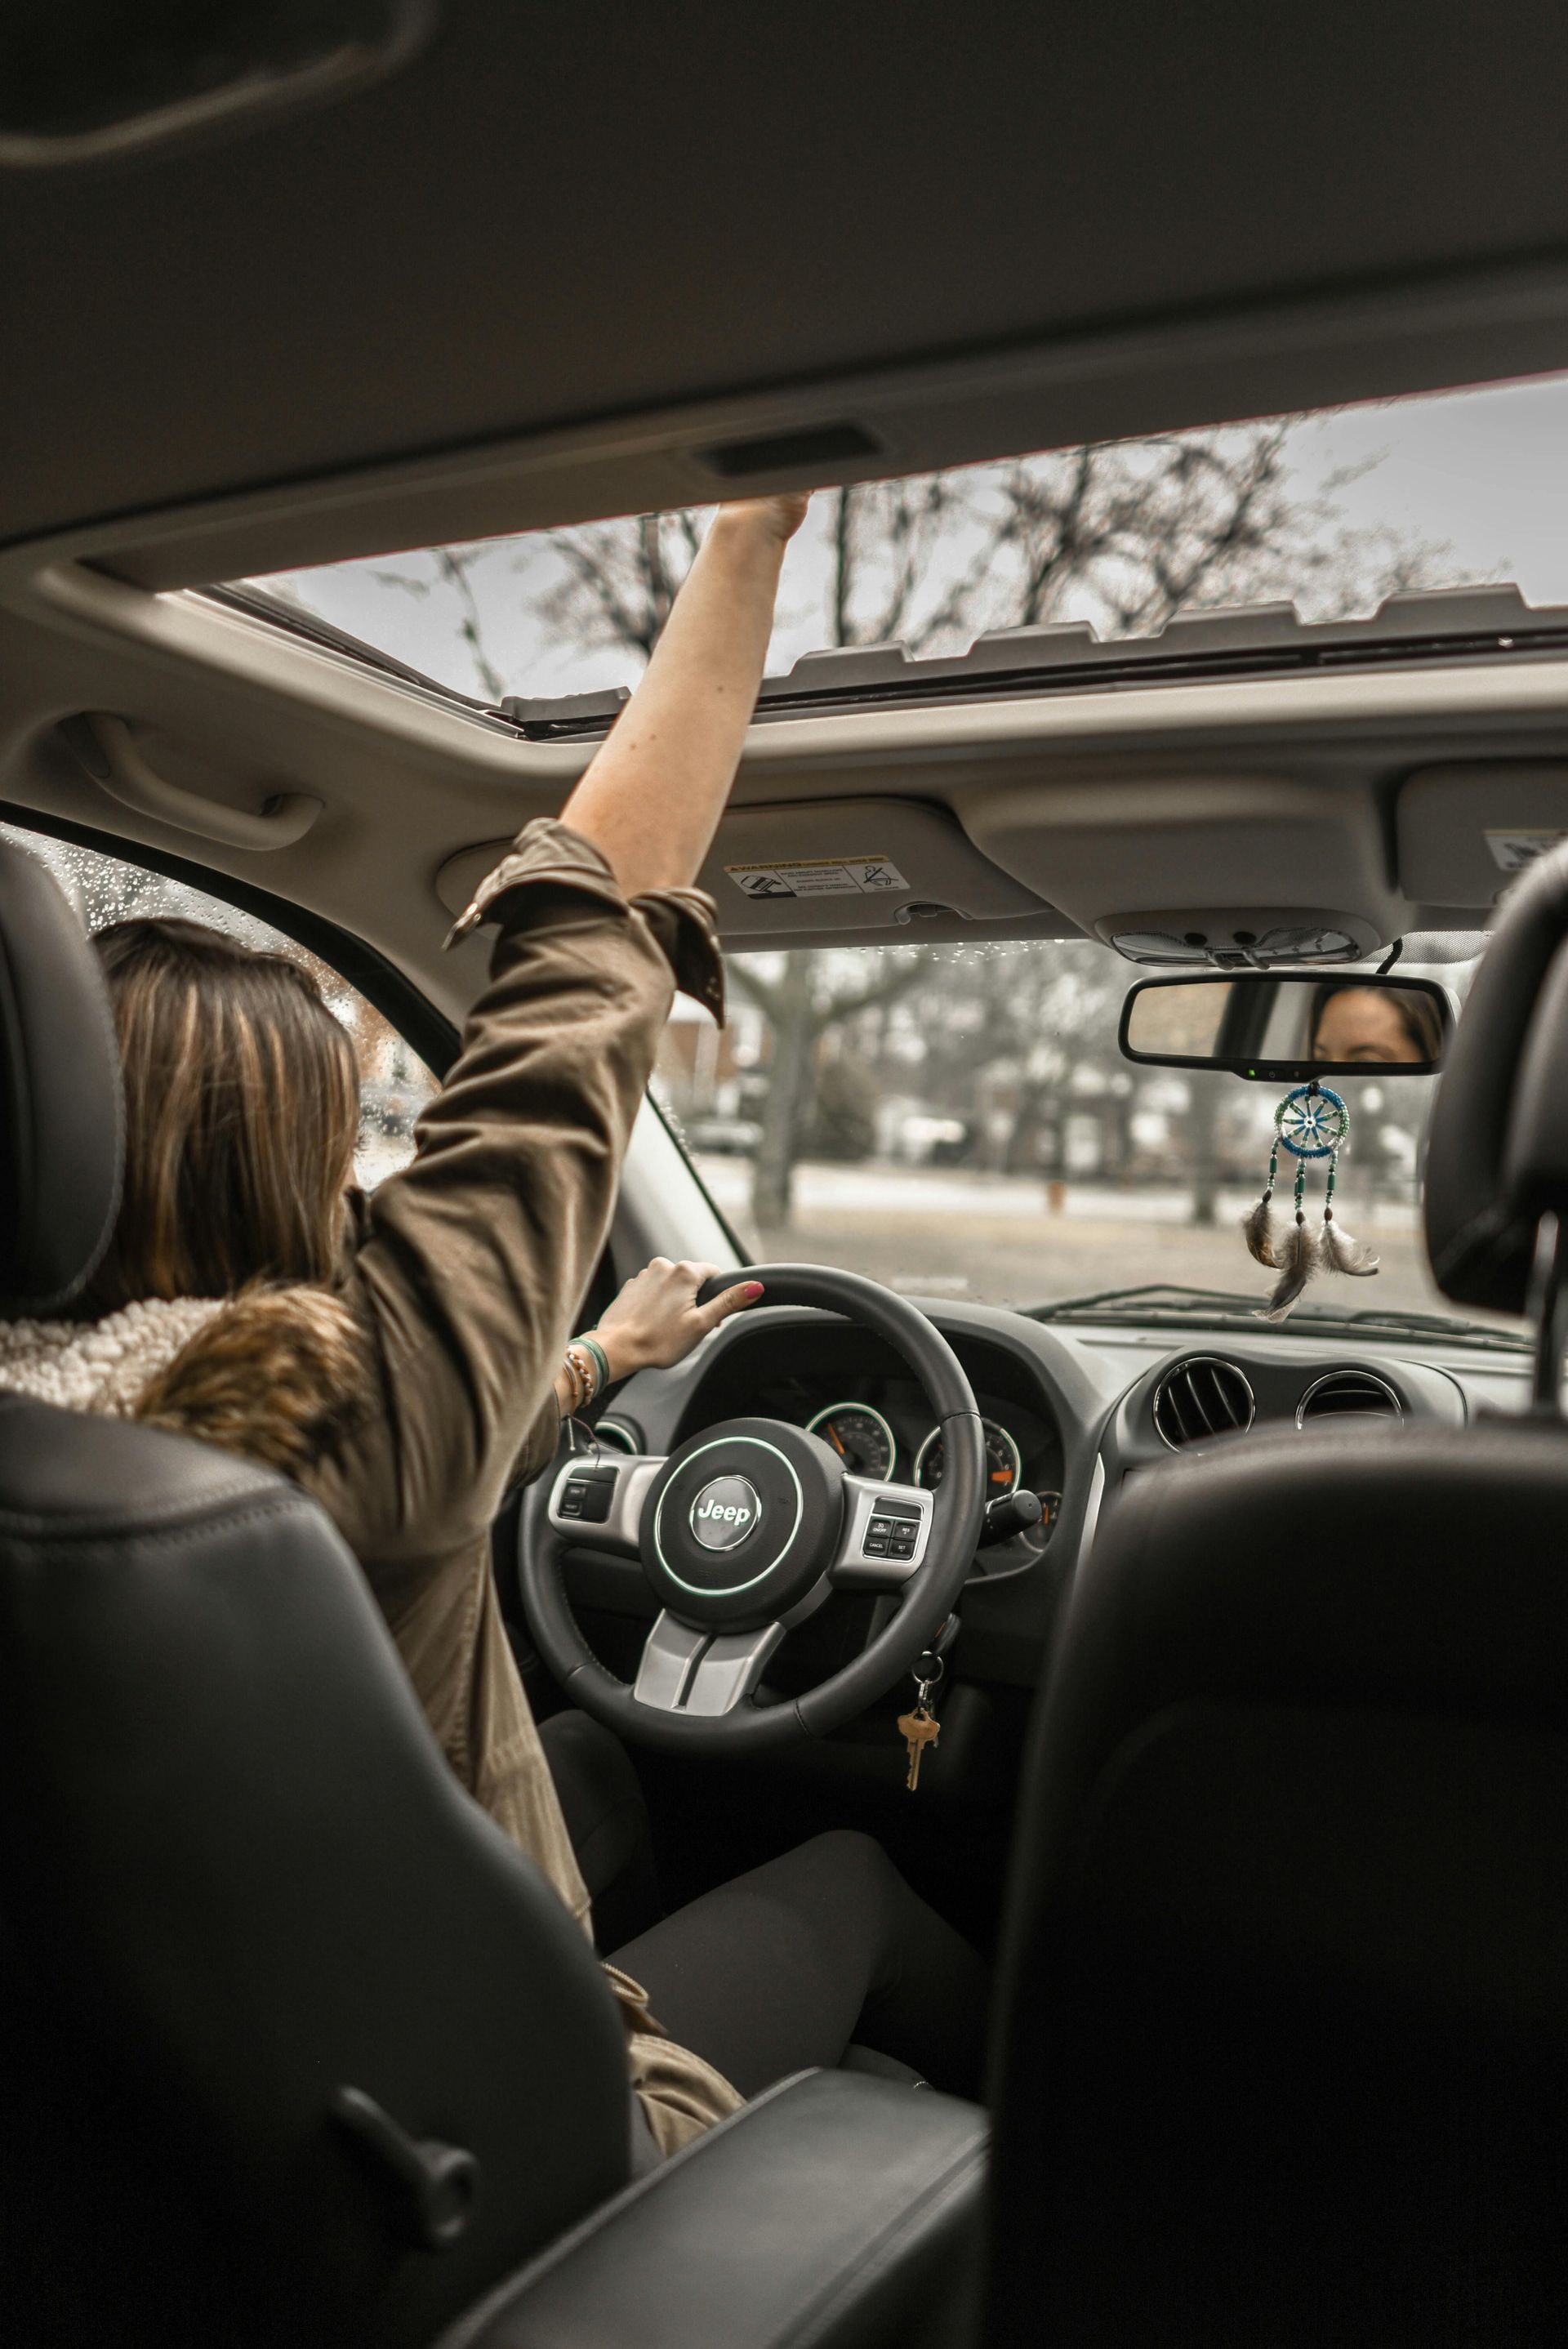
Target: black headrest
{"x": 60, "y": 1095}
{"x": 1497, "y": 1159}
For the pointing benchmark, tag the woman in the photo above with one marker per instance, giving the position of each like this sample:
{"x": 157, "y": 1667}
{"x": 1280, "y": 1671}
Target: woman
{"x": 1378, "y": 1027}
{"x": 407, "y": 1358}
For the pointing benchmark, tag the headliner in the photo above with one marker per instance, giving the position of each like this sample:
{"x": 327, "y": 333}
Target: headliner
{"x": 551, "y": 219}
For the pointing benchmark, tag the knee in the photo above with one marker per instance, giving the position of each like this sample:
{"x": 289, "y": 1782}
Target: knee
{"x": 591, "y": 1769}
{"x": 844, "y": 1857}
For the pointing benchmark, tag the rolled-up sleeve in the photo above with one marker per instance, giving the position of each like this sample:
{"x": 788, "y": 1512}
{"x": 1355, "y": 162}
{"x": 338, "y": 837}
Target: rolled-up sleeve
{"x": 682, "y": 920}
{"x": 471, "y": 1262}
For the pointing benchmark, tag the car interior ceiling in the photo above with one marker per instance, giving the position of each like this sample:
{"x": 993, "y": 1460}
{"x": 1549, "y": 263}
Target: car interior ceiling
{"x": 313, "y": 380}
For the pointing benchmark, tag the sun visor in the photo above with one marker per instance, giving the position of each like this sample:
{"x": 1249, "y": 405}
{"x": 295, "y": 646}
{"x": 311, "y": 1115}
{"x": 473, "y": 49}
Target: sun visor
{"x": 1464, "y": 831}
{"x": 1246, "y": 857}
{"x": 854, "y": 865}
{"x": 790, "y": 875}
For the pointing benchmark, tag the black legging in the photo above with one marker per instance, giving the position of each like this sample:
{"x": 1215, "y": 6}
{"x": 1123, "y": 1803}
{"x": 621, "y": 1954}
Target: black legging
{"x": 788, "y": 1965}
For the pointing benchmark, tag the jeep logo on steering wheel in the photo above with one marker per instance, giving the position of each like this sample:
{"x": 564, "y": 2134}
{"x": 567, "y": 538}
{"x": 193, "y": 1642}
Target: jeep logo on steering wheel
{"x": 724, "y": 1511}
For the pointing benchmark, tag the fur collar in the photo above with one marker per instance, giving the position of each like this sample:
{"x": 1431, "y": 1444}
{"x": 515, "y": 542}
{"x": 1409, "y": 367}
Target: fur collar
{"x": 273, "y": 1374}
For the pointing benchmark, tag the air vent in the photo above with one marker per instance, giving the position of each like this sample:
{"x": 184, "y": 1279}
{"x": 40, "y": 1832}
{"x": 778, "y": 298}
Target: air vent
{"x": 1349, "y": 1394}
{"x": 1200, "y": 1397}
{"x": 618, "y": 1435}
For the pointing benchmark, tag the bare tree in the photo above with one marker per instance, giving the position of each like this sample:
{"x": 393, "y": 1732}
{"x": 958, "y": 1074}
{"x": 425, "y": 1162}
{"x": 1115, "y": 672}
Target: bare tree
{"x": 800, "y": 1005}
{"x": 1019, "y": 1022}
{"x": 456, "y": 568}
{"x": 620, "y": 579}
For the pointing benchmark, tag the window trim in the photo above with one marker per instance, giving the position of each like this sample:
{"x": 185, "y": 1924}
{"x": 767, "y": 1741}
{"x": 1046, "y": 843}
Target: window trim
{"x": 387, "y": 989}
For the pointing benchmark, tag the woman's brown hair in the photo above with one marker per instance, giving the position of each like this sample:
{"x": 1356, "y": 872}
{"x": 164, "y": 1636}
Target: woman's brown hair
{"x": 1417, "y": 1013}
{"x": 242, "y": 1107}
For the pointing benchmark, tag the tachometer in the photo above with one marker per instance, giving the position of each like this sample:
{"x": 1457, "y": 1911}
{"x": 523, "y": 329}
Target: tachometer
{"x": 860, "y": 1435}
{"x": 1004, "y": 1463}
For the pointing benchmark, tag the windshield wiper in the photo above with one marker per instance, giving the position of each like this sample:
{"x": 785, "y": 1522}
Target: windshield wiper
{"x": 1447, "y": 1326}
{"x": 1164, "y": 1301}
{"x": 1152, "y": 1297}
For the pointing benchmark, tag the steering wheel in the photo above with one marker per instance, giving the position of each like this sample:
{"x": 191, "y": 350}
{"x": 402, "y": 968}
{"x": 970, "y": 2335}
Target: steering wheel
{"x": 743, "y": 1531}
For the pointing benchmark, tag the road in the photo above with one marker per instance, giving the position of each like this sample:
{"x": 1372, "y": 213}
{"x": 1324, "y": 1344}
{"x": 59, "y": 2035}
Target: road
{"x": 946, "y": 1231}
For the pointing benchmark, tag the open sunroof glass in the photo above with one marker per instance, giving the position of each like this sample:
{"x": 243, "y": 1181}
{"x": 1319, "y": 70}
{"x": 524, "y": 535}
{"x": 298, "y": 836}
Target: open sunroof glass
{"x": 1439, "y": 522}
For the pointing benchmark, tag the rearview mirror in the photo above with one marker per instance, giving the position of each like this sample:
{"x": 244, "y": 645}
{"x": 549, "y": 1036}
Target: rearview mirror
{"x": 1287, "y": 1029}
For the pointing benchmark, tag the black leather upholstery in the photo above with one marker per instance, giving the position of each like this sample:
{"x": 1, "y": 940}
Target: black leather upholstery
{"x": 1284, "y": 2052}
{"x": 1496, "y": 1153}
{"x": 60, "y": 1095}
{"x": 836, "y": 2211}
{"x": 236, "y": 1878}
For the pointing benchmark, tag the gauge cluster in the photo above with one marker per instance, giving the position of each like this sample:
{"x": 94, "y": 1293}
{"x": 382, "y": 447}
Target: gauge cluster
{"x": 869, "y": 1444}
{"x": 892, "y": 1438}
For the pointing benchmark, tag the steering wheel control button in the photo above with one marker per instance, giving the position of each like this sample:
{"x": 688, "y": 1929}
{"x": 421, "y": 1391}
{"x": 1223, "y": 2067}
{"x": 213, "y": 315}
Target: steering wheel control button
{"x": 885, "y": 1535}
{"x": 740, "y": 1524}
{"x": 893, "y": 1531}
{"x": 726, "y": 1513}
{"x": 587, "y": 1495}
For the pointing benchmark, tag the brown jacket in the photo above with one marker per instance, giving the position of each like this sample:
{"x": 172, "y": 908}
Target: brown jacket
{"x": 463, "y": 1277}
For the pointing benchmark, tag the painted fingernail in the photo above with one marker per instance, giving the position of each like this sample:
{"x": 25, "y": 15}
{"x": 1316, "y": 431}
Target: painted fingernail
{"x": 751, "y": 1289}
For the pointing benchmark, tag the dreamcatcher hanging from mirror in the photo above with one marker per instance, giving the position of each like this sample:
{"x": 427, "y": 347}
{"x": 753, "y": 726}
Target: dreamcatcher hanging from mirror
{"x": 1312, "y": 1123}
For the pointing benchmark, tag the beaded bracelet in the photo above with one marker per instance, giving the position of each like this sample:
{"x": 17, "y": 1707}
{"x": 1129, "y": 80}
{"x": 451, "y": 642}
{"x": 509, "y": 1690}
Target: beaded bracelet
{"x": 583, "y": 1370}
{"x": 600, "y": 1357}
{"x": 579, "y": 1372}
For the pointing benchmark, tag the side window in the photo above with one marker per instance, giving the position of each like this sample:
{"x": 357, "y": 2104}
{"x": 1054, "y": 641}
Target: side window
{"x": 394, "y": 1082}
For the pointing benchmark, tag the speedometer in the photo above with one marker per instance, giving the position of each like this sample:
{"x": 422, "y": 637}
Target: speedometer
{"x": 860, "y": 1435}
{"x": 1004, "y": 1463}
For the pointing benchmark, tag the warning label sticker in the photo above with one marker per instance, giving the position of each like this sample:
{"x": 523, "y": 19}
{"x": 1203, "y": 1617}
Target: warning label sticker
{"x": 1513, "y": 851}
{"x": 847, "y": 876}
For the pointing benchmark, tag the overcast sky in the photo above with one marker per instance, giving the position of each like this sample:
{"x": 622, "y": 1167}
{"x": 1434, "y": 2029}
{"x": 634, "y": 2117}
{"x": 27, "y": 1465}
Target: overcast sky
{"x": 1486, "y": 472}
{"x": 1483, "y": 474}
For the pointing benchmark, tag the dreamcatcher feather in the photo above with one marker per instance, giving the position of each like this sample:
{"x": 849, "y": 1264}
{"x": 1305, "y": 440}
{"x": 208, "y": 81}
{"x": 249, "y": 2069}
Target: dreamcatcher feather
{"x": 1258, "y": 1228}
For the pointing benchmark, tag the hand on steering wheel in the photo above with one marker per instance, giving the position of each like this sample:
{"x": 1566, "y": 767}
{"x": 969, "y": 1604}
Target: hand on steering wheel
{"x": 655, "y": 1319}
{"x": 744, "y": 1531}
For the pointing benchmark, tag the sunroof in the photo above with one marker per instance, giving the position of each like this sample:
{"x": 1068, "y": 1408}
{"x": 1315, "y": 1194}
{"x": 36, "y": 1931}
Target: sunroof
{"x": 1333, "y": 513}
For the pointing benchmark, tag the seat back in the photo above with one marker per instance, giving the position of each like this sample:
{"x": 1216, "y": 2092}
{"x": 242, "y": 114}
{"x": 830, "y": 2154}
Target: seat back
{"x": 240, "y": 1892}
{"x": 1283, "y": 2024}
{"x": 295, "y": 2047}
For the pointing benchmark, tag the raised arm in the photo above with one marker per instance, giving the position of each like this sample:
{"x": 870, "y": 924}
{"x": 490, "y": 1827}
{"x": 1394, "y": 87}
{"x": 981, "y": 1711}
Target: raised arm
{"x": 471, "y": 1262}
{"x": 652, "y": 797}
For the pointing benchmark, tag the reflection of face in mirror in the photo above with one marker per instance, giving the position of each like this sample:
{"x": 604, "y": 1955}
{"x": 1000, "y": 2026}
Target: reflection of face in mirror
{"x": 1376, "y": 1025}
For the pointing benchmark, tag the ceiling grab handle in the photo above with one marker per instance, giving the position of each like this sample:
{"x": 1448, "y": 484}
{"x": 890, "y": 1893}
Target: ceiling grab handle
{"x": 126, "y": 776}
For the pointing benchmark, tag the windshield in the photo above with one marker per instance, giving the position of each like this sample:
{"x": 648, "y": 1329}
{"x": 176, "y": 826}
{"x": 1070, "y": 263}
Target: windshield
{"x": 1333, "y": 513}
{"x": 958, "y": 1121}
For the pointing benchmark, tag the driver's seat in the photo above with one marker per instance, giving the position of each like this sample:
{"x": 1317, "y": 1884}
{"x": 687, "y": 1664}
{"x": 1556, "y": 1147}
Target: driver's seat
{"x": 296, "y": 2048}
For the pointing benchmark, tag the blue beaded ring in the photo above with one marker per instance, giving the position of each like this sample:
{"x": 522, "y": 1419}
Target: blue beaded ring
{"x": 1313, "y": 1121}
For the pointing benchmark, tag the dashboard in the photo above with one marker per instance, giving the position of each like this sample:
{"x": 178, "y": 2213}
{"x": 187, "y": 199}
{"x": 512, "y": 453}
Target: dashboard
{"x": 1073, "y": 1412}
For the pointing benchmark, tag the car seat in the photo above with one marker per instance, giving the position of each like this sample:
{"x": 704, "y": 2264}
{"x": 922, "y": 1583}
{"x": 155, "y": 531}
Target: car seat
{"x": 1283, "y": 2047}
